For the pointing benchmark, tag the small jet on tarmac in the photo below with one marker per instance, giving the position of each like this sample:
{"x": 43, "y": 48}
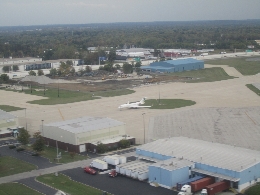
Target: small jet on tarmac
{"x": 134, "y": 104}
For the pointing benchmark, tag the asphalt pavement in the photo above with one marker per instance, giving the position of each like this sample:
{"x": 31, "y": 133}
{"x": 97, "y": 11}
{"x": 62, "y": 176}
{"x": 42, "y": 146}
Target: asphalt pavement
{"x": 118, "y": 185}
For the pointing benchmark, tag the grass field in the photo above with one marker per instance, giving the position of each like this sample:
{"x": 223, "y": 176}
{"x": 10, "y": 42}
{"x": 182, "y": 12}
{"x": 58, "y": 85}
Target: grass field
{"x": 9, "y": 108}
{"x": 255, "y": 190}
{"x": 241, "y": 64}
{"x": 254, "y": 89}
{"x": 66, "y": 97}
{"x": 51, "y": 154}
{"x": 16, "y": 189}
{"x": 67, "y": 185}
{"x": 11, "y": 166}
{"x": 205, "y": 75}
{"x": 168, "y": 103}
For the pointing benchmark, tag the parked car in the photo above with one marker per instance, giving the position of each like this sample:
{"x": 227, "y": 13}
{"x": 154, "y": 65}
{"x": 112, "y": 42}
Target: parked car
{"x": 90, "y": 170}
{"x": 113, "y": 173}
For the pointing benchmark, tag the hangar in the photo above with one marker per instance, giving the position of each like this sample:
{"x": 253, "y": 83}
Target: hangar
{"x": 238, "y": 165}
{"x": 84, "y": 134}
{"x": 178, "y": 65}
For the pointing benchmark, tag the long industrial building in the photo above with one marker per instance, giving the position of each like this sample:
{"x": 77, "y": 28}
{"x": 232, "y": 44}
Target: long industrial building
{"x": 178, "y": 65}
{"x": 182, "y": 158}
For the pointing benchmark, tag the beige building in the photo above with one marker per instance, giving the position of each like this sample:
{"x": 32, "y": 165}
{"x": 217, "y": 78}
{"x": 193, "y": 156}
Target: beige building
{"x": 82, "y": 134}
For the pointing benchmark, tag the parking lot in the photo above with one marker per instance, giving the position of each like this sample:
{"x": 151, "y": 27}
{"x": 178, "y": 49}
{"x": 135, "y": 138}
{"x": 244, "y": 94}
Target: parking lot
{"x": 118, "y": 185}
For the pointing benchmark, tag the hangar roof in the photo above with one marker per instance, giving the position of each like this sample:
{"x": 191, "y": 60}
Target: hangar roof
{"x": 214, "y": 154}
{"x": 5, "y": 115}
{"x": 85, "y": 124}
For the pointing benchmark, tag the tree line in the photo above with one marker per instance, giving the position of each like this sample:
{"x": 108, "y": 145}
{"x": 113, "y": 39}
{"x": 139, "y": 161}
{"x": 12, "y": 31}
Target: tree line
{"x": 73, "y": 41}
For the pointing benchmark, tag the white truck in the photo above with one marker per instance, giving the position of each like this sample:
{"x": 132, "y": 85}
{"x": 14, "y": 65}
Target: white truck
{"x": 204, "y": 54}
{"x": 99, "y": 164}
{"x": 112, "y": 160}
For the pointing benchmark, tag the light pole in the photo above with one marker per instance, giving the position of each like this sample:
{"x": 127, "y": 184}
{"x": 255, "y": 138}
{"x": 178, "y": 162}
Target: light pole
{"x": 144, "y": 126}
{"x": 58, "y": 88}
{"x": 25, "y": 119}
{"x": 42, "y": 127}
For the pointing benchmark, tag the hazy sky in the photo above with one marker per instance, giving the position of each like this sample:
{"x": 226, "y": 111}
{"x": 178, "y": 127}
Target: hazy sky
{"x": 42, "y": 12}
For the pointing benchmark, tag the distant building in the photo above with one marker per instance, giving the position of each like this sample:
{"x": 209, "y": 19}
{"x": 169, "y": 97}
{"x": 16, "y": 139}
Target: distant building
{"x": 85, "y": 133}
{"x": 8, "y": 125}
{"x": 178, "y": 65}
{"x": 28, "y": 64}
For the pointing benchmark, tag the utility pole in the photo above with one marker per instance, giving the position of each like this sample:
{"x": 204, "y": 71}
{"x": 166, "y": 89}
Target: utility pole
{"x": 144, "y": 126}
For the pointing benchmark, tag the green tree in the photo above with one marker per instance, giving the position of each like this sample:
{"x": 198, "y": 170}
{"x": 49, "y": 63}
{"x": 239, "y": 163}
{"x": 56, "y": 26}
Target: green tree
{"x": 127, "y": 68}
{"x": 15, "y": 68}
{"x": 39, "y": 143}
{"x": 101, "y": 148}
{"x": 112, "y": 56}
{"x": 88, "y": 69}
{"x": 23, "y": 136}
{"x": 32, "y": 73}
{"x": 65, "y": 69}
{"x": 53, "y": 72}
{"x": 40, "y": 72}
{"x": 4, "y": 78}
{"x": 6, "y": 68}
{"x": 124, "y": 143}
{"x": 138, "y": 64}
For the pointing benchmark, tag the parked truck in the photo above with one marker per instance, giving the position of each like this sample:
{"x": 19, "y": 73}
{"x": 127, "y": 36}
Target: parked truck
{"x": 204, "y": 54}
{"x": 215, "y": 188}
{"x": 99, "y": 164}
{"x": 196, "y": 186}
{"x": 112, "y": 160}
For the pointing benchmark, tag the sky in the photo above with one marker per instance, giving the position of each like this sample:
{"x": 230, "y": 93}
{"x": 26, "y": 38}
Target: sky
{"x": 44, "y": 12}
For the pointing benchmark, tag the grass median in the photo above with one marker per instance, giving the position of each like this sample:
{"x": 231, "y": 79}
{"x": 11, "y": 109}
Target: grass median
{"x": 254, "y": 89}
{"x": 245, "y": 65}
{"x": 7, "y": 108}
{"x": 66, "y": 97}
{"x": 67, "y": 185}
{"x": 17, "y": 189}
{"x": 11, "y": 166}
{"x": 168, "y": 103}
{"x": 205, "y": 75}
{"x": 66, "y": 157}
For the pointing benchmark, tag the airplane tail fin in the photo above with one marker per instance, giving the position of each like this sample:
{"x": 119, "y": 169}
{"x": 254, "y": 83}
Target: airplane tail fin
{"x": 142, "y": 101}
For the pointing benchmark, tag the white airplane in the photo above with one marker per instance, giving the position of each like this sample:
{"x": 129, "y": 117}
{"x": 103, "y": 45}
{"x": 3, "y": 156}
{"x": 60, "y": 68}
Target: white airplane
{"x": 134, "y": 104}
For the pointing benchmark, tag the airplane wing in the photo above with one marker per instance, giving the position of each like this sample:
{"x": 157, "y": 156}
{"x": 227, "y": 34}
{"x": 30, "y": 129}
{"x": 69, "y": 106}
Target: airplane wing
{"x": 137, "y": 106}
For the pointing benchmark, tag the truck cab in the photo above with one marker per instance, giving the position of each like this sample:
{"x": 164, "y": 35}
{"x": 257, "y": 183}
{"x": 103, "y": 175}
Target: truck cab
{"x": 204, "y": 192}
{"x": 185, "y": 190}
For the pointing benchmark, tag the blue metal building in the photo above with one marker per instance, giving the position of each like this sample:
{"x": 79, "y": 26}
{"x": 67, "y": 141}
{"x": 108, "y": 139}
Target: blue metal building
{"x": 178, "y": 65}
{"x": 238, "y": 165}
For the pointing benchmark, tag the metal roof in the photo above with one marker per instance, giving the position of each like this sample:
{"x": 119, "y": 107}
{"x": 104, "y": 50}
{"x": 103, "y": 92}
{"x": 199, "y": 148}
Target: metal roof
{"x": 173, "y": 164}
{"x": 6, "y": 116}
{"x": 213, "y": 154}
{"x": 85, "y": 124}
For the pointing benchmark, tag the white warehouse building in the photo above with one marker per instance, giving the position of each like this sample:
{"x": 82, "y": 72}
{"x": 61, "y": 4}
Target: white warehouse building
{"x": 82, "y": 134}
{"x": 238, "y": 165}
